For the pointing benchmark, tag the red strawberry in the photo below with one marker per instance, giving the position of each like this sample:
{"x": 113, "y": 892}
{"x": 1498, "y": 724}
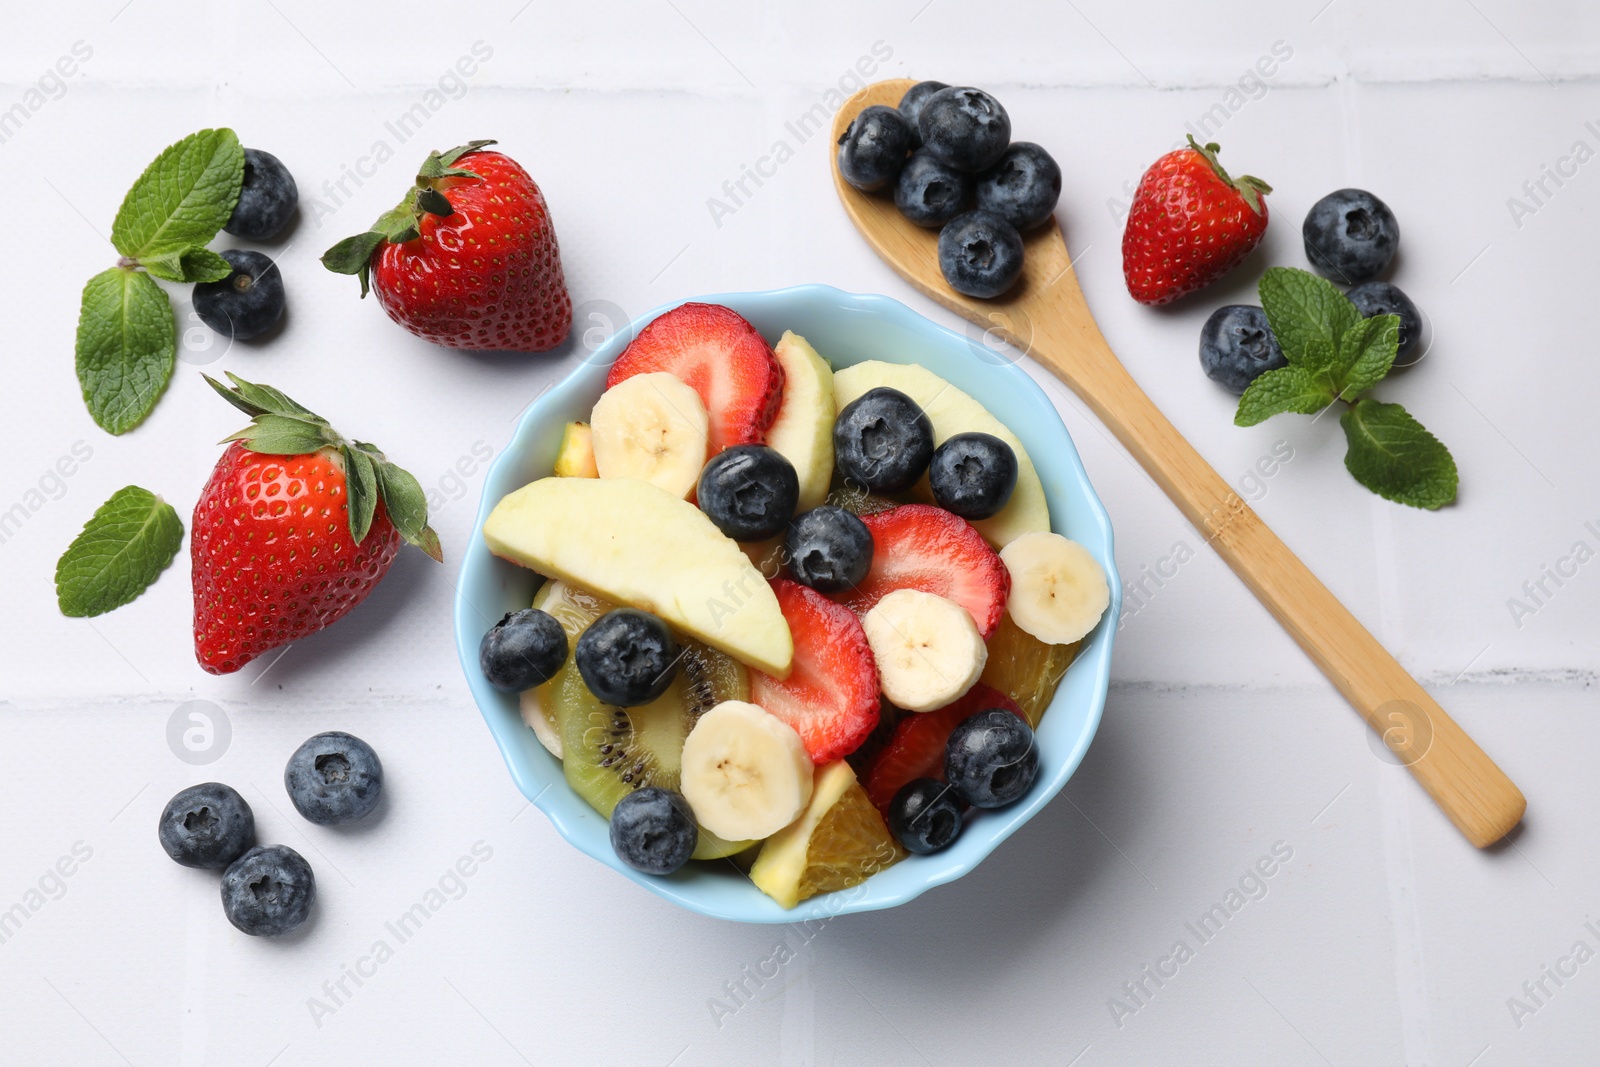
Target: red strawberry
{"x": 917, "y": 748}
{"x": 919, "y": 546}
{"x": 831, "y": 694}
{"x": 1190, "y": 224}
{"x": 468, "y": 259}
{"x": 714, "y": 351}
{"x": 284, "y": 541}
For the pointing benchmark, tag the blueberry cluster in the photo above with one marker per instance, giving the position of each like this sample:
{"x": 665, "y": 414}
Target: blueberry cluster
{"x": 990, "y": 760}
{"x": 249, "y": 301}
{"x": 1351, "y": 238}
{"x": 946, "y": 154}
{"x": 883, "y": 442}
{"x": 268, "y": 890}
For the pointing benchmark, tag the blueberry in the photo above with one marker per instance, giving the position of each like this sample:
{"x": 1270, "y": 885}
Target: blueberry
{"x": 334, "y": 778}
{"x": 207, "y": 826}
{"x": 1350, "y": 236}
{"x": 749, "y": 492}
{"x": 266, "y": 200}
{"x": 522, "y": 650}
{"x": 1237, "y": 346}
{"x": 829, "y": 549}
{"x": 268, "y": 891}
{"x": 882, "y": 440}
{"x": 991, "y": 758}
{"x": 873, "y": 148}
{"x": 245, "y": 304}
{"x": 930, "y": 193}
{"x": 965, "y": 128}
{"x": 911, "y": 106}
{"x": 627, "y": 657}
{"x": 925, "y": 816}
{"x": 972, "y": 475}
{"x": 1381, "y": 298}
{"x": 653, "y": 830}
{"x": 980, "y": 254}
{"x": 1023, "y": 187}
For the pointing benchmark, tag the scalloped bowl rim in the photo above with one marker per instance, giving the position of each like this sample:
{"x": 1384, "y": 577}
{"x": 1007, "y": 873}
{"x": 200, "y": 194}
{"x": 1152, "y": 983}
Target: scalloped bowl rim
{"x": 1003, "y": 387}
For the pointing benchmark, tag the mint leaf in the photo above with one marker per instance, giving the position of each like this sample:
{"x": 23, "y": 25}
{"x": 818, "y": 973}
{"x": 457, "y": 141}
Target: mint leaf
{"x": 1366, "y": 354}
{"x": 1301, "y": 308}
{"x": 189, "y": 266}
{"x": 183, "y": 198}
{"x": 123, "y": 548}
{"x": 127, "y": 346}
{"x": 1393, "y": 455}
{"x": 1293, "y": 389}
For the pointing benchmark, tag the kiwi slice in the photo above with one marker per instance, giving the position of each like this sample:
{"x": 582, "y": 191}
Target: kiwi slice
{"x": 608, "y": 751}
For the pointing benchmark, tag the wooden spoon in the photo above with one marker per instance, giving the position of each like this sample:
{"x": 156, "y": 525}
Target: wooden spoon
{"x": 1045, "y": 316}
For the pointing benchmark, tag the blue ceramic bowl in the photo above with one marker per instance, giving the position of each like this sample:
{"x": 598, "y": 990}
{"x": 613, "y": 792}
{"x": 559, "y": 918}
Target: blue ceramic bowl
{"x": 846, "y": 329}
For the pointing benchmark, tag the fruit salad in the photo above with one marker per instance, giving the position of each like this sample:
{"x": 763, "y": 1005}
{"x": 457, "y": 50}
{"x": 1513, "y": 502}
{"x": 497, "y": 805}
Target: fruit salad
{"x": 800, "y": 620}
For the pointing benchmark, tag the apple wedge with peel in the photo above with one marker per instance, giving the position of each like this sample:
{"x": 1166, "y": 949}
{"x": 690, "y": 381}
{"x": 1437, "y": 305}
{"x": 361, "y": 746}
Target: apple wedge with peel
{"x": 803, "y": 428}
{"x": 951, "y": 411}
{"x": 634, "y": 543}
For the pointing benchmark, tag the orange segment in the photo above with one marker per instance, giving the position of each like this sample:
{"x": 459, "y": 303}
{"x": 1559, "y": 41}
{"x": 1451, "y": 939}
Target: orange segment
{"x": 850, "y": 845}
{"x": 1026, "y": 669}
{"x": 838, "y": 842}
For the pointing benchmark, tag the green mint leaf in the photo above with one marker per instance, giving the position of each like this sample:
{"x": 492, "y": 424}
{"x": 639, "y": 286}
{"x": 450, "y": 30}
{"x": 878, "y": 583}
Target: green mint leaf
{"x": 361, "y": 486}
{"x": 123, "y": 548}
{"x": 183, "y": 198}
{"x": 127, "y": 346}
{"x": 189, "y": 266}
{"x": 1393, "y": 455}
{"x": 282, "y": 435}
{"x": 1366, "y": 354}
{"x": 1293, "y": 389}
{"x": 1301, "y": 307}
{"x": 408, "y": 508}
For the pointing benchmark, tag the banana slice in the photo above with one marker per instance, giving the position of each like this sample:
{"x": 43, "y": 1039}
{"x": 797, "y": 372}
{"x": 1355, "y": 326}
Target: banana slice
{"x": 1058, "y": 590}
{"x": 651, "y": 427}
{"x": 929, "y": 650}
{"x": 745, "y": 772}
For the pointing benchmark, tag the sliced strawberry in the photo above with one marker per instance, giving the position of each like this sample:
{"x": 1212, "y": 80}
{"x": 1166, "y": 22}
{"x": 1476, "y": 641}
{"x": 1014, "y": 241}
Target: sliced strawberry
{"x": 917, "y": 748}
{"x": 919, "y": 546}
{"x": 831, "y": 695}
{"x": 714, "y": 351}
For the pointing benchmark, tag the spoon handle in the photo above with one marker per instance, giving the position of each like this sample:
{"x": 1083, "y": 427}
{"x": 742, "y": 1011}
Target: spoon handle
{"x": 1476, "y": 794}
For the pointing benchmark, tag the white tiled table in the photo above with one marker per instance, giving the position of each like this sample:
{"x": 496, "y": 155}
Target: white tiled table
{"x": 1380, "y": 937}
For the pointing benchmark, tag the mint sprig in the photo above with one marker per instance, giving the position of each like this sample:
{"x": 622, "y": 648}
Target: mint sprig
{"x": 127, "y": 337}
{"x": 122, "y": 550}
{"x": 280, "y": 426}
{"x": 1336, "y": 355}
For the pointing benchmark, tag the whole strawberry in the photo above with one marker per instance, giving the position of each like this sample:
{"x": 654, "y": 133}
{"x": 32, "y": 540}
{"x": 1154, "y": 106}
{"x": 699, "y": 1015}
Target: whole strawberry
{"x": 468, "y": 259}
{"x": 295, "y": 528}
{"x": 1190, "y": 224}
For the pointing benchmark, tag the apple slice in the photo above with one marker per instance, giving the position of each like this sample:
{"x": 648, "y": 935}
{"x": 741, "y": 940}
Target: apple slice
{"x": 803, "y": 428}
{"x": 636, "y": 544}
{"x": 951, "y": 411}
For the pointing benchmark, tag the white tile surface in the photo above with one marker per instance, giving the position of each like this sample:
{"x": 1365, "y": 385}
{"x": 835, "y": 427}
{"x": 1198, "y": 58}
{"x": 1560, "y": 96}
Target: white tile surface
{"x": 1384, "y": 939}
